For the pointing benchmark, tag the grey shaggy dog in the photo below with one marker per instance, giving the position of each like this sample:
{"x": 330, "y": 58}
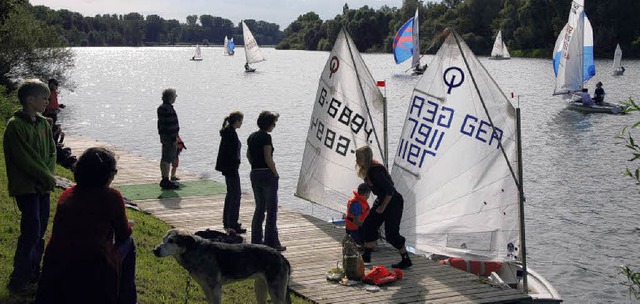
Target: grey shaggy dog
{"x": 213, "y": 264}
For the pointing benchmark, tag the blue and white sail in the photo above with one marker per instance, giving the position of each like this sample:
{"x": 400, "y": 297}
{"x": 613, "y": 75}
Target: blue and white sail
{"x": 228, "y": 46}
{"x": 573, "y": 61}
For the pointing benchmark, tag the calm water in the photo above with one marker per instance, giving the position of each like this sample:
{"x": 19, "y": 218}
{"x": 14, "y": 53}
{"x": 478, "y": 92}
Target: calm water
{"x": 581, "y": 212}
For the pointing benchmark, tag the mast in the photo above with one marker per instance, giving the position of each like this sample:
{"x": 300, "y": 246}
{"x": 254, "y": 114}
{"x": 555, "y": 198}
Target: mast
{"x": 523, "y": 247}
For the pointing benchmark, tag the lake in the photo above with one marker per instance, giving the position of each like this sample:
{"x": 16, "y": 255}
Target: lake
{"x": 581, "y": 212}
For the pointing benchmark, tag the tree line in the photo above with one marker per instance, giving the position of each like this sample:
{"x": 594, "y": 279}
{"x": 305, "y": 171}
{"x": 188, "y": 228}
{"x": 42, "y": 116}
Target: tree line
{"x": 133, "y": 29}
{"x": 529, "y": 27}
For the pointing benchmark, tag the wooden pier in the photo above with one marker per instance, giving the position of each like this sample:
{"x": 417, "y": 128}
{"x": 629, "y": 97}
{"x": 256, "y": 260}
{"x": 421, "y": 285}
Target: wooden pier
{"x": 313, "y": 245}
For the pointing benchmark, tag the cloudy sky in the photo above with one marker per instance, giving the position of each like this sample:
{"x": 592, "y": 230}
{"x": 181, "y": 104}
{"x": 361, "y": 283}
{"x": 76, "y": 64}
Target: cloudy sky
{"x": 281, "y": 12}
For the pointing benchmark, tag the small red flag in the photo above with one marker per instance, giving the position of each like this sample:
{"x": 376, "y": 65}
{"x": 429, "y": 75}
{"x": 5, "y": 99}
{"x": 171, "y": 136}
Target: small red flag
{"x": 381, "y": 83}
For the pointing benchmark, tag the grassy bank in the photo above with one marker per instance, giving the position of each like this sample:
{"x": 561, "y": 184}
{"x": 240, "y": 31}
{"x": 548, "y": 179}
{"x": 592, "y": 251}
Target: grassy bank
{"x": 158, "y": 280}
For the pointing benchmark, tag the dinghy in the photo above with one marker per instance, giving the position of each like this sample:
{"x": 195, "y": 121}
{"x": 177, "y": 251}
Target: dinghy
{"x": 406, "y": 44}
{"x": 458, "y": 167}
{"x": 197, "y": 56}
{"x": 499, "y": 51}
{"x": 573, "y": 62}
{"x": 251, "y": 49}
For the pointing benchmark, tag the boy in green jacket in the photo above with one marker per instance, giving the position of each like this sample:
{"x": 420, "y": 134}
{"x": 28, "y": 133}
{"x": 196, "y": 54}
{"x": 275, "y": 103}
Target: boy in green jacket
{"x": 30, "y": 156}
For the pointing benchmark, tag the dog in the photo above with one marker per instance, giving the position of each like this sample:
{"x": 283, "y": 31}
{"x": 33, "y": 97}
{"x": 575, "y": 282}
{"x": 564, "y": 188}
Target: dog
{"x": 213, "y": 264}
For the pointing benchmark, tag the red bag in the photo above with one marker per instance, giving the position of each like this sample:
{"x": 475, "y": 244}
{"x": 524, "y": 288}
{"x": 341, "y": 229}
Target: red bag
{"x": 379, "y": 275}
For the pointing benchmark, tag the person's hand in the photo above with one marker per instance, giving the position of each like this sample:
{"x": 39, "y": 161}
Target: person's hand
{"x": 381, "y": 209}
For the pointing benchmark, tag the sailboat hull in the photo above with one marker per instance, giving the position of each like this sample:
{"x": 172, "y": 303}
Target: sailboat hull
{"x": 607, "y": 108}
{"x": 540, "y": 290}
{"x": 618, "y": 73}
{"x": 499, "y": 58}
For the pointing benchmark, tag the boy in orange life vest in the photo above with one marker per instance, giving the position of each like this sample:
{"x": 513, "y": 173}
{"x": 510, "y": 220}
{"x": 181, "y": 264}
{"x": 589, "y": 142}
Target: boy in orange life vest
{"x": 357, "y": 211}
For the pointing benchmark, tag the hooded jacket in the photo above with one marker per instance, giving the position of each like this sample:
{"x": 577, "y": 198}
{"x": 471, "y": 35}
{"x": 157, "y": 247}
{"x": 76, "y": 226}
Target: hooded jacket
{"x": 30, "y": 155}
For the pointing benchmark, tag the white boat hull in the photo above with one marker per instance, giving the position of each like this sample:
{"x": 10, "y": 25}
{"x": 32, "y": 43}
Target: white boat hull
{"x": 539, "y": 289}
{"x": 607, "y": 108}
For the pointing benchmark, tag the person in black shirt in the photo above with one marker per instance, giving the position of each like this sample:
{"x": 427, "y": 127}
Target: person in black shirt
{"x": 264, "y": 181}
{"x": 386, "y": 209}
{"x": 599, "y": 94}
{"x": 228, "y": 162}
{"x": 168, "y": 129}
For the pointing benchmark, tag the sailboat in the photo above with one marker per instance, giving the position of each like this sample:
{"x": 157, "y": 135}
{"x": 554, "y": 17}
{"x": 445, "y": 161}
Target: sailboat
{"x": 573, "y": 62}
{"x": 251, "y": 49}
{"x": 197, "y": 56}
{"x": 348, "y": 112}
{"x": 618, "y": 69}
{"x": 499, "y": 50}
{"x": 406, "y": 44}
{"x": 458, "y": 166}
{"x": 229, "y": 46}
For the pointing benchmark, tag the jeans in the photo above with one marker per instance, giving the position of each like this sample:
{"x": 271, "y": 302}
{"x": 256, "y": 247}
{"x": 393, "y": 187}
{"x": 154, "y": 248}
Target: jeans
{"x": 127, "y": 289}
{"x": 35, "y": 210}
{"x": 231, "y": 210}
{"x": 265, "y": 192}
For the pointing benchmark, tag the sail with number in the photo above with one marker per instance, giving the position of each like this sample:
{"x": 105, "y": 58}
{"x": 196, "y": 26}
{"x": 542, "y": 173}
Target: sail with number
{"x": 348, "y": 112}
{"x": 573, "y": 61}
{"x": 499, "y": 50}
{"x": 251, "y": 49}
{"x": 460, "y": 198}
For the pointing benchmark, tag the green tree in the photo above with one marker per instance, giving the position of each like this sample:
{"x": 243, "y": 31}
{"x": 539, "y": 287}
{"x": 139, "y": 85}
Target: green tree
{"x": 29, "y": 47}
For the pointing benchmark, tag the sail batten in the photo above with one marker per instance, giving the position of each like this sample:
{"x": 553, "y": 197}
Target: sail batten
{"x": 454, "y": 170}
{"x": 347, "y": 114}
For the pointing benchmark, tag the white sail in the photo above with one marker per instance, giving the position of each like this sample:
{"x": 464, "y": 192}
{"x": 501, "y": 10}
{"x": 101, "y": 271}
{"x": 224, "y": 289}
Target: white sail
{"x": 197, "y": 55}
{"x": 226, "y": 45}
{"x": 415, "y": 62}
{"x": 617, "y": 59}
{"x": 460, "y": 196}
{"x": 348, "y": 112}
{"x": 500, "y": 48}
{"x": 573, "y": 52}
{"x": 251, "y": 49}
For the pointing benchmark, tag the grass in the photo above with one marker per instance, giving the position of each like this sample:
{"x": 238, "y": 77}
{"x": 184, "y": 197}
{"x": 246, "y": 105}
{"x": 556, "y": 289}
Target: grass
{"x": 159, "y": 280}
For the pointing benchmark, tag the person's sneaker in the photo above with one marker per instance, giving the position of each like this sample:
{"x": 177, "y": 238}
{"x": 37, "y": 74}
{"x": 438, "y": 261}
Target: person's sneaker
{"x": 175, "y": 178}
{"x": 168, "y": 185}
{"x": 238, "y": 228}
{"x": 366, "y": 260}
{"x": 404, "y": 264}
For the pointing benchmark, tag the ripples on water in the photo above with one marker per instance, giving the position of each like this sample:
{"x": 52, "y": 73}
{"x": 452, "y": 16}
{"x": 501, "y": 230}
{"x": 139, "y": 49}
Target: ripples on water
{"x": 581, "y": 212}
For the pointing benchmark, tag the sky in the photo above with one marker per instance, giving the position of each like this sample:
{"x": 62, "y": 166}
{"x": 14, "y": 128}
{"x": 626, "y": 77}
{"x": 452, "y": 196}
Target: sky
{"x": 281, "y": 12}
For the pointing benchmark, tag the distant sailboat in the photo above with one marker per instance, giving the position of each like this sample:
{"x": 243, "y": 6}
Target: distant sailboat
{"x": 229, "y": 46}
{"x": 406, "y": 44}
{"x": 573, "y": 63}
{"x": 251, "y": 49}
{"x": 499, "y": 50}
{"x": 197, "y": 56}
{"x": 618, "y": 69}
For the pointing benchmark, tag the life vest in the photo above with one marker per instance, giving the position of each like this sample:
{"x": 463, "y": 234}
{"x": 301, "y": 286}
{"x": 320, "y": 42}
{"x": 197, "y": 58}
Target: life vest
{"x": 358, "y": 199}
{"x": 379, "y": 275}
{"x": 480, "y": 268}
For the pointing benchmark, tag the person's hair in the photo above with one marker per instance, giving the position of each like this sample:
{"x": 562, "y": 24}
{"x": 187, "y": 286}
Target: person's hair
{"x": 95, "y": 167}
{"x": 366, "y": 154}
{"x": 167, "y": 94}
{"x": 363, "y": 189}
{"x": 53, "y": 81}
{"x": 599, "y": 84}
{"x": 585, "y": 90}
{"x": 232, "y": 118}
{"x": 31, "y": 87}
{"x": 266, "y": 119}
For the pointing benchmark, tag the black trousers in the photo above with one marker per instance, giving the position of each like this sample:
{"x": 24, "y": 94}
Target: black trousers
{"x": 391, "y": 218}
